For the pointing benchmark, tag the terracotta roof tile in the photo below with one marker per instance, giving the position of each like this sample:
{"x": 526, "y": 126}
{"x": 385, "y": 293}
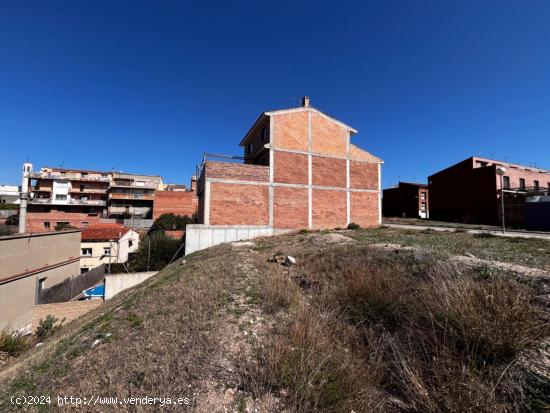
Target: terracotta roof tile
{"x": 104, "y": 232}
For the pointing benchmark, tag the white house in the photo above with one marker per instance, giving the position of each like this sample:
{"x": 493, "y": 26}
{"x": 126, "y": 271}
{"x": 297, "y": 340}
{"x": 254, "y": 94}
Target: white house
{"x": 104, "y": 243}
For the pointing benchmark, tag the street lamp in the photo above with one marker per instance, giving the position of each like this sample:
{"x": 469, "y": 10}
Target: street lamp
{"x": 501, "y": 171}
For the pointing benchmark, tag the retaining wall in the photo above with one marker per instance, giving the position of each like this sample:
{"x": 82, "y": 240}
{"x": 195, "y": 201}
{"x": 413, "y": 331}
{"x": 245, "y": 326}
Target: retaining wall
{"x": 199, "y": 237}
{"x": 116, "y": 283}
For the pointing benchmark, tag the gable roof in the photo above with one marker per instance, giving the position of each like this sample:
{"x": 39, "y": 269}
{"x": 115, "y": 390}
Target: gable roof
{"x": 264, "y": 115}
{"x": 104, "y": 232}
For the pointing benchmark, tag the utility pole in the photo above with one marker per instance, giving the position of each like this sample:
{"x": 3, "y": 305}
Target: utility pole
{"x": 110, "y": 252}
{"x": 148, "y": 252}
{"x": 501, "y": 171}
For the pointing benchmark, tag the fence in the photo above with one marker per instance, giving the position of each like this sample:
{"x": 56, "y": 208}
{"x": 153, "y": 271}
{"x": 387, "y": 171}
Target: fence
{"x": 71, "y": 287}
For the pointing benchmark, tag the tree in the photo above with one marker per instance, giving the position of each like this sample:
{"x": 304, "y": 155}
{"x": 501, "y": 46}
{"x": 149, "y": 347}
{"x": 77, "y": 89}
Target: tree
{"x": 170, "y": 222}
{"x": 162, "y": 249}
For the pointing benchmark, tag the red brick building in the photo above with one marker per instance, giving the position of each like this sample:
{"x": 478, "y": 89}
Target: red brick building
{"x": 470, "y": 191}
{"x": 300, "y": 170}
{"x": 177, "y": 200}
{"x": 407, "y": 200}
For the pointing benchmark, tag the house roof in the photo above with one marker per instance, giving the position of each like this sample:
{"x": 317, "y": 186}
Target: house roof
{"x": 298, "y": 109}
{"x": 104, "y": 232}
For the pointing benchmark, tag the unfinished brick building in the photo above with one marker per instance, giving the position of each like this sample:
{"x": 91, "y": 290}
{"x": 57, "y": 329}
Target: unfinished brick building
{"x": 300, "y": 171}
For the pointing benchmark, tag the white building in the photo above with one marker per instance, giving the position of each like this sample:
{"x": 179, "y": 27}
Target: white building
{"x": 9, "y": 194}
{"x": 104, "y": 243}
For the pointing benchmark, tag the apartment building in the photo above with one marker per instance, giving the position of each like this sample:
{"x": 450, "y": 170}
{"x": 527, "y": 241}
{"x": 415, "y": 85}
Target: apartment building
{"x": 300, "y": 170}
{"x": 406, "y": 200}
{"x": 470, "y": 191}
{"x": 79, "y": 198}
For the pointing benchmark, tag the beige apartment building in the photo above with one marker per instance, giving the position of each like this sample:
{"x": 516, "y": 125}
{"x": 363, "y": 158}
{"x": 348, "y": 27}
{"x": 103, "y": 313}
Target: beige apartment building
{"x": 78, "y": 198}
{"x": 28, "y": 264}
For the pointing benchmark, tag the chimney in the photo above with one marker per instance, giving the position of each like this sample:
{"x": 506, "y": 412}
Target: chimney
{"x": 305, "y": 102}
{"x": 23, "y": 197}
{"x": 194, "y": 183}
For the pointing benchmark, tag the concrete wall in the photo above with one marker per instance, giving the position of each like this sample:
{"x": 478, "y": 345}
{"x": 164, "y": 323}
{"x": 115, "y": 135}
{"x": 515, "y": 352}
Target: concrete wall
{"x": 199, "y": 237}
{"x": 25, "y": 259}
{"x": 68, "y": 311}
{"x": 116, "y": 283}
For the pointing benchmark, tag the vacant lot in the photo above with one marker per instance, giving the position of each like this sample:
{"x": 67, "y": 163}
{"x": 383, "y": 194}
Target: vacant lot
{"x": 530, "y": 252}
{"x": 351, "y": 326}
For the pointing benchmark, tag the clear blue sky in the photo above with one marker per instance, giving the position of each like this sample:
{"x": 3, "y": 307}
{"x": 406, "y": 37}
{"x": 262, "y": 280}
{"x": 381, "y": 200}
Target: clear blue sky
{"x": 147, "y": 86}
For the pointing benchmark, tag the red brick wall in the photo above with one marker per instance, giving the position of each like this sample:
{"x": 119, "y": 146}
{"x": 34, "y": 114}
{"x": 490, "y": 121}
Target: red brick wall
{"x": 290, "y": 208}
{"x": 290, "y": 131}
{"x": 235, "y": 204}
{"x": 328, "y": 137}
{"x": 290, "y": 168}
{"x": 364, "y": 208}
{"x": 174, "y": 202}
{"x": 363, "y": 175}
{"x": 35, "y": 220}
{"x": 239, "y": 171}
{"x": 328, "y": 171}
{"x": 329, "y": 209}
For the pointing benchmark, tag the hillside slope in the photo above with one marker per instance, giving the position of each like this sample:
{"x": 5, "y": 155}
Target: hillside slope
{"x": 351, "y": 326}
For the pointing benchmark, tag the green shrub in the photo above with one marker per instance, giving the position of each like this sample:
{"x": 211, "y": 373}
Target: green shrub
{"x": 12, "y": 220}
{"x": 155, "y": 252}
{"x": 353, "y": 225}
{"x": 13, "y": 343}
{"x": 63, "y": 225}
{"x": 170, "y": 222}
{"x": 48, "y": 326}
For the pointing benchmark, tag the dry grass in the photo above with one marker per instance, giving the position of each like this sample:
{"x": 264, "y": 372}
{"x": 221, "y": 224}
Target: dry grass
{"x": 405, "y": 331}
{"x": 371, "y": 330}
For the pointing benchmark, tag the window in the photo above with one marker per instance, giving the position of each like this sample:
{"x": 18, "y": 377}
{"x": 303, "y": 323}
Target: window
{"x": 249, "y": 148}
{"x": 106, "y": 250}
{"x": 86, "y": 252}
{"x": 423, "y": 195}
{"x": 506, "y": 182}
{"x": 85, "y": 224}
{"x": 423, "y": 205}
{"x": 40, "y": 285}
{"x": 536, "y": 184}
{"x": 59, "y": 197}
{"x": 47, "y": 224}
{"x": 82, "y": 188}
{"x": 130, "y": 243}
{"x": 263, "y": 134}
{"x": 84, "y": 270}
{"x": 522, "y": 183}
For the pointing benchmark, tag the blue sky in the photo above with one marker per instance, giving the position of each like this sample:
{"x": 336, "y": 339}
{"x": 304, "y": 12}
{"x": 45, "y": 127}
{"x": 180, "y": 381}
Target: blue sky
{"x": 147, "y": 86}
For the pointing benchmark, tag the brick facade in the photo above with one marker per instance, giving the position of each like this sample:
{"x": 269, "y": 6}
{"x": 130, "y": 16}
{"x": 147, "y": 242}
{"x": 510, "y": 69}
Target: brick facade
{"x": 47, "y": 220}
{"x": 314, "y": 176}
{"x": 175, "y": 202}
{"x": 290, "y": 168}
{"x": 290, "y": 208}
{"x": 236, "y": 204}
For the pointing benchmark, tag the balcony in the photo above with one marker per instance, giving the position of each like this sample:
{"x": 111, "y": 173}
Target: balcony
{"x": 143, "y": 197}
{"x": 49, "y": 201}
{"x": 69, "y": 177}
{"x": 131, "y": 185}
{"x": 88, "y": 190}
